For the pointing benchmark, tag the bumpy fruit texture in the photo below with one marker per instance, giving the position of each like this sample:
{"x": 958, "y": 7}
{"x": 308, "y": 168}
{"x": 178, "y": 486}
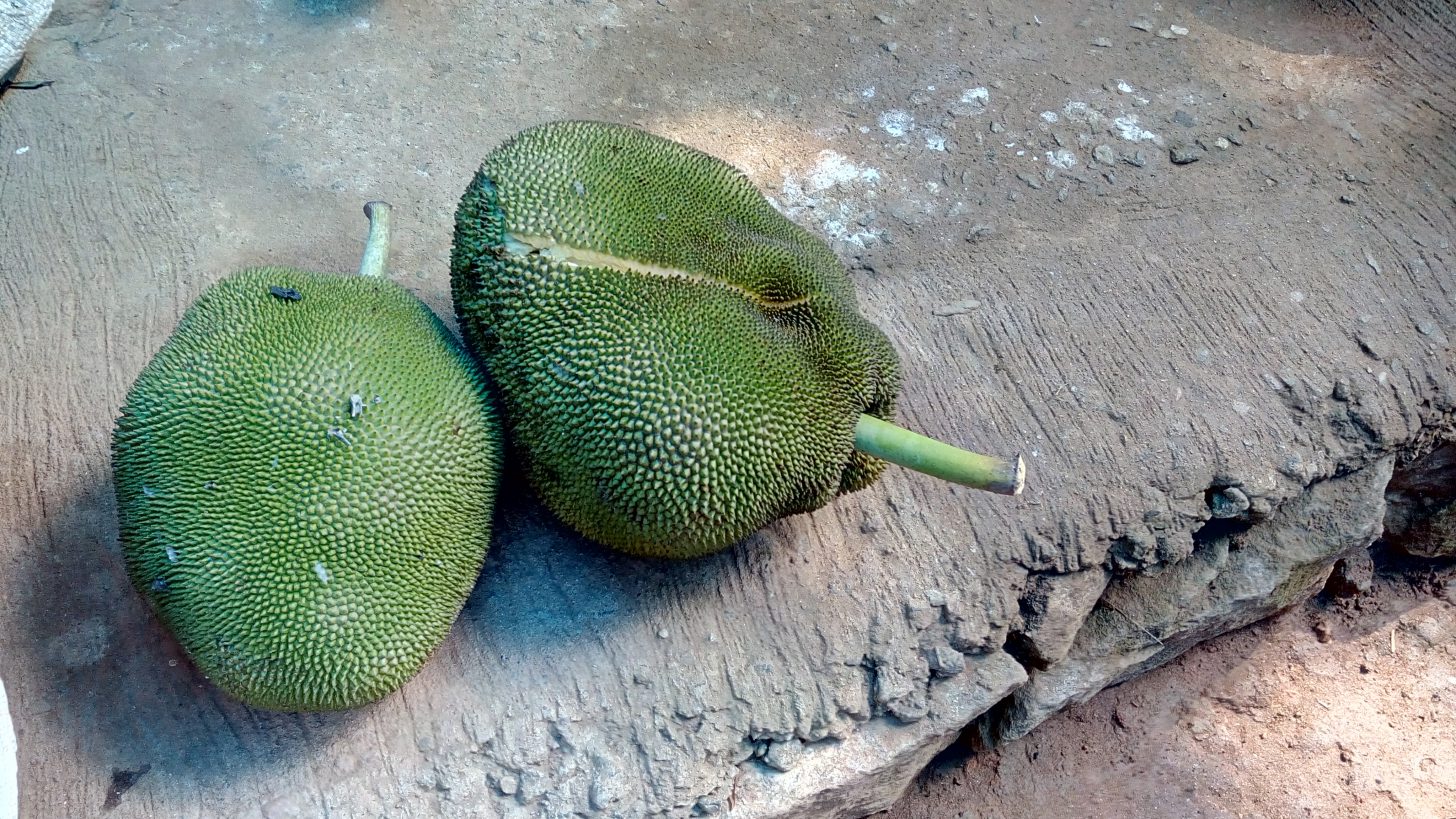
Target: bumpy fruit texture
{"x": 306, "y": 473}
{"x": 680, "y": 364}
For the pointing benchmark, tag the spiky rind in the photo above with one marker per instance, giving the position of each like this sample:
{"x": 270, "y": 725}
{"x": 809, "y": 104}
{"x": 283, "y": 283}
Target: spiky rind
{"x": 680, "y": 364}
{"x": 305, "y": 475}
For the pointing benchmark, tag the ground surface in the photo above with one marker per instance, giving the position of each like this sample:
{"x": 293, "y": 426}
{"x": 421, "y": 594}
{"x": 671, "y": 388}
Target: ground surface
{"x": 1187, "y": 257}
{"x": 1338, "y": 708}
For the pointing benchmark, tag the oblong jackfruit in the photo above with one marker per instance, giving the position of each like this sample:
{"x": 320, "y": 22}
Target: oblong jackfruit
{"x": 678, "y": 362}
{"x": 305, "y": 475}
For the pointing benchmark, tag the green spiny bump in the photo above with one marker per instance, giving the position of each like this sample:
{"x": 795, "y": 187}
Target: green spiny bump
{"x": 679, "y": 363}
{"x": 305, "y": 475}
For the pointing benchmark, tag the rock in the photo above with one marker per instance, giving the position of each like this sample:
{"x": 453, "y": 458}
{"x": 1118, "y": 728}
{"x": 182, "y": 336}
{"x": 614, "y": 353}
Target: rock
{"x": 1200, "y": 728}
{"x": 1183, "y": 118}
{"x": 946, "y": 661}
{"x": 1436, "y": 538}
{"x": 19, "y": 19}
{"x": 1352, "y": 576}
{"x": 1141, "y": 25}
{"x": 1054, "y": 608}
{"x": 555, "y": 685}
{"x": 1228, "y": 502}
{"x": 1104, "y": 154}
{"x": 1145, "y": 620}
{"x": 783, "y": 756}
{"x": 868, "y": 770}
{"x": 979, "y": 231}
{"x": 1185, "y": 154}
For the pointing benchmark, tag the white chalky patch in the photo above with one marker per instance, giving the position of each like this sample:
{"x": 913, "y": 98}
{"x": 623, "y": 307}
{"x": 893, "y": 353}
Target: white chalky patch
{"x": 1128, "y": 128}
{"x": 1061, "y": 158}
{"x": 833, "y": 169}
{"x": 321, "y": 573}
{"x": 896, "y": 123}
{"x": 825, "y": 192}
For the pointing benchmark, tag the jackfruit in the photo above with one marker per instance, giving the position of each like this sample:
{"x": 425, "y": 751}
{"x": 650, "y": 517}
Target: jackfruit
{"x": 679, "y": 364}
{"x": 305, "y": 476}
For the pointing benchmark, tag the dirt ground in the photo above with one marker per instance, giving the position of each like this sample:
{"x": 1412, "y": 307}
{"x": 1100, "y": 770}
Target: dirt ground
{"x": 1340, "y": 708}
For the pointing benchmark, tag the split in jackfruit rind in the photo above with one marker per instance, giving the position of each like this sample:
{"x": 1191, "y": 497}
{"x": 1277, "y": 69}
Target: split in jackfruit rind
{"x": 305, "y": 475}
{"x": 679, "y": 363}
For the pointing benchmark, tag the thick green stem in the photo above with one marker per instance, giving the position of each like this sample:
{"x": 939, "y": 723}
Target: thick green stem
{"x": 376, "y": 247}
{"x": 912, "y": 450}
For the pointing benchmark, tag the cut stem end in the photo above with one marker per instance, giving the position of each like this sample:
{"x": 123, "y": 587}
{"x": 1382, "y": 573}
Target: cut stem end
{"x": 912, "y": 450}
{"x": 376, "y": 247}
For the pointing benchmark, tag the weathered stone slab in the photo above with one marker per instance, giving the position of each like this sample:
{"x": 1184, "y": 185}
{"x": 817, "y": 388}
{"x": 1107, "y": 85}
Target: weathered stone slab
{"x": 1211, "y": 368}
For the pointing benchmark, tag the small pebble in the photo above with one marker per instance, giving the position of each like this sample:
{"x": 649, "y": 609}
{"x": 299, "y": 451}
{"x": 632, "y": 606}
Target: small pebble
{"x": 1181, "y": 117}
{"x": 1104, "y": 154}
{"x": 1181, "y": 31}
{"x": 1137, "y": 159}
{"x": 890, "y": 47}
{"x": 946, "y": 661}
{"x": 1102, "y": 42}
{"x": 979, "y": 231}
{"x": 997, "y": 127}
{"x": 1221, "y": 143}
{"x": 1184, "y": 154}
{"x": 1201, "y": 729}
{"x": 783, "y": 756}
{"x": 1229, "y": 502}
{"x": 1141, "y": 25}
{"x": 1031, "y": 181}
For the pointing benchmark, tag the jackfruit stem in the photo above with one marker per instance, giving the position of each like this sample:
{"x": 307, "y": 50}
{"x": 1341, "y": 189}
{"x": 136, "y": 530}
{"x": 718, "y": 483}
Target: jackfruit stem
{"x": 912, "y": 450}
{"x": 376, "y": 247}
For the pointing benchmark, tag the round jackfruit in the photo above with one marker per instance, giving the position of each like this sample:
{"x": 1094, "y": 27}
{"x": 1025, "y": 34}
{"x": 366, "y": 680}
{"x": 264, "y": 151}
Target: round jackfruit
{"x": 679, "y": 363}
{"x": 305, "y": 474}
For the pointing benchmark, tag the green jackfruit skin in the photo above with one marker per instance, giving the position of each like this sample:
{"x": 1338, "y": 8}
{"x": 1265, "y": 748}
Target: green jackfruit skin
{"x": 666, "y": 414}
{"x": 309, "y": 550}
